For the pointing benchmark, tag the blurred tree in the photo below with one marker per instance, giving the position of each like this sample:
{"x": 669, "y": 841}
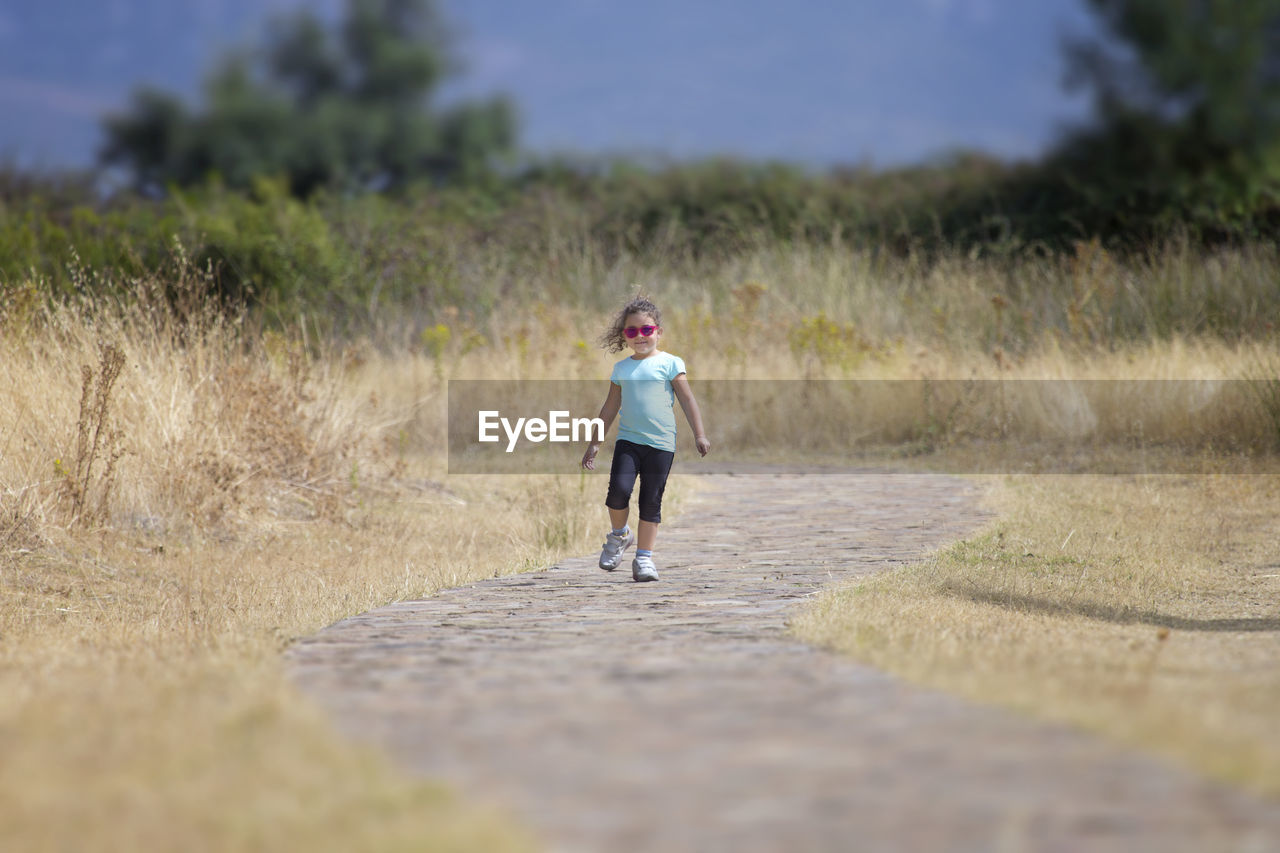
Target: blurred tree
{"x": 1210, "y": 67}
{"x": 347, "y": 107}
{"x": 1187, "y": 96}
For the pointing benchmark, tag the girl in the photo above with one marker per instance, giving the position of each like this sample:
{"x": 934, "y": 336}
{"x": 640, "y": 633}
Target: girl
{"x": 641, "y": 388}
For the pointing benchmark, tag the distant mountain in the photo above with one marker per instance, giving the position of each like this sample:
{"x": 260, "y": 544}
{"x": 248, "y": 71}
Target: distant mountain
{"x": 63, "y": 63}
{"x": 811, "y": 81}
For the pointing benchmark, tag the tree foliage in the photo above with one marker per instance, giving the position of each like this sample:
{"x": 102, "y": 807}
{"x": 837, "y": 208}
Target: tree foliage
{"x": 1187, "y": 96}
{"x": 347, "y": 107}
{"x": 1210, "y": 68}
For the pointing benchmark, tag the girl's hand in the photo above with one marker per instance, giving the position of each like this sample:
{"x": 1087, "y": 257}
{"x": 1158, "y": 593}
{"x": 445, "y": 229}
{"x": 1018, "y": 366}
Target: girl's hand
{"x": 589, "y": 458}
{"x": 703, "y": 444}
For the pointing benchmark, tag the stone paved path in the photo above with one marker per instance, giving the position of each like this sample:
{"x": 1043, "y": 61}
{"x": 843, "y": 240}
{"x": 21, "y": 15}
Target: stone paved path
{"x": 614, "y": 716}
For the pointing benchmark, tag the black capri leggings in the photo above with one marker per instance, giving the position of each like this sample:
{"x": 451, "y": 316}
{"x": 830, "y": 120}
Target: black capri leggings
{"x": 652, "y": 465}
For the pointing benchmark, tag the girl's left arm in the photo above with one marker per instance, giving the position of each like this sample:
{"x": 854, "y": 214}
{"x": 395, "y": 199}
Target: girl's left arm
{"x": 687, "y": 402}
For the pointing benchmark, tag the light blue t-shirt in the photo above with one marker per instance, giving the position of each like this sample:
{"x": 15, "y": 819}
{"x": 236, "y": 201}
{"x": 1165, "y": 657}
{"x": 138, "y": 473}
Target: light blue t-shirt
{"x": 647, "y": 415}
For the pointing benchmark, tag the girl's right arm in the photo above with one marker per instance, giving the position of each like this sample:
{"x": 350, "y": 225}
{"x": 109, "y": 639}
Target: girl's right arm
{"x": 608, "y": 412}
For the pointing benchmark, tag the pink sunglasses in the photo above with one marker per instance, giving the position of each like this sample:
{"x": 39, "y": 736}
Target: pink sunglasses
{"x": 632, "y": 331}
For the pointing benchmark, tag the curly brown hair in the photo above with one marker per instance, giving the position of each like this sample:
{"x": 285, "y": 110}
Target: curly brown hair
{"x": 613, "y": 339}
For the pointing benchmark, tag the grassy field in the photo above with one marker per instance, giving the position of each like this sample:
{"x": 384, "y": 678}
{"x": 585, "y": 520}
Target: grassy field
{"x": 183, "y": 495}
{"x": 179, "y": 502}
{"x": 1141, "y": 607}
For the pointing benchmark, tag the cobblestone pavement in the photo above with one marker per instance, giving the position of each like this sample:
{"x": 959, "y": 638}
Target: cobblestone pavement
{"x": 678, "y": 715}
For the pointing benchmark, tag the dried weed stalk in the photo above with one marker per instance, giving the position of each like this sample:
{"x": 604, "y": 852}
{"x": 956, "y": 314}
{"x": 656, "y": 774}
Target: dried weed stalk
{"x": 98, "y": 443}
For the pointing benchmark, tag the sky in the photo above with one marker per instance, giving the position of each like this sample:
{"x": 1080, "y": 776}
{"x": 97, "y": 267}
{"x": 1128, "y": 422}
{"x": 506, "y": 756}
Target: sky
{"x": 878, "y": 83}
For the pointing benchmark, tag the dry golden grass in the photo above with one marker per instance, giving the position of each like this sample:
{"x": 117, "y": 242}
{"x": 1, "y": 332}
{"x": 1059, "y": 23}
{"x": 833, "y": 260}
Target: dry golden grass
{"x": 1144, "y": 608}
{"x": 240, "y": 495}
{"x": 165, "y": 532}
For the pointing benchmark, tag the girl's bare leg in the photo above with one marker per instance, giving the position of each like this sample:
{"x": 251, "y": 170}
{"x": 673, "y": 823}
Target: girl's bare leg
{"x": 618, "y": 518}
{"x": 647, "y": 535}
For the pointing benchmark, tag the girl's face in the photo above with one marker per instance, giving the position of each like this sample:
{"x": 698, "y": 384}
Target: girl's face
{"x": 642, "y": 345}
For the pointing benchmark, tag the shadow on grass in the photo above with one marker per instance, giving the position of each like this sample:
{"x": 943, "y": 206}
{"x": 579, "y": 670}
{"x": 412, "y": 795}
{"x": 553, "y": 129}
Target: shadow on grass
{"x": 1107, "y": 613}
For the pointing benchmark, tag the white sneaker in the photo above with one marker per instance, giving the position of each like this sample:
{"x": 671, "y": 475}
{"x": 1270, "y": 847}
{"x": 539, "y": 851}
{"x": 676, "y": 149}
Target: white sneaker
{"x": 611, "y": 556}
{"x": 643, "y": 569}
